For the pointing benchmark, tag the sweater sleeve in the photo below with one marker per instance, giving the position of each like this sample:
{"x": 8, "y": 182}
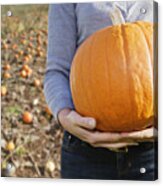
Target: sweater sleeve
{"x": 62, "y": 36}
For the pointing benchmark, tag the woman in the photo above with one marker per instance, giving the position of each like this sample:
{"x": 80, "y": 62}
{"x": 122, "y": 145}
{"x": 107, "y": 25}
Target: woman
{"x": 87, "y": 153}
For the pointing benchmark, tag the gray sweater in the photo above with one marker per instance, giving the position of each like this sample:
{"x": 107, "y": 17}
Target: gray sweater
{"x": 69, "y": 25}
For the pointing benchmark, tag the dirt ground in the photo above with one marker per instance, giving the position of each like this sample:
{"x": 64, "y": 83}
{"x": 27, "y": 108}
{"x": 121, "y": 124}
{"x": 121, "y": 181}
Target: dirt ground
{"x": 27, "y": 149}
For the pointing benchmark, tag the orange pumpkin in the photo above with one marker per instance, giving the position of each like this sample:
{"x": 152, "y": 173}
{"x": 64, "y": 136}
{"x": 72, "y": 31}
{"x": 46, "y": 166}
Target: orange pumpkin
{"x": 7, "y": 67}
{"x": 37, "y": 82}
{"x": 23, "y": 73}
{"x": 7, "y": 75}
{"x": 27, "y": 117}
{"x": 112, "y": 77}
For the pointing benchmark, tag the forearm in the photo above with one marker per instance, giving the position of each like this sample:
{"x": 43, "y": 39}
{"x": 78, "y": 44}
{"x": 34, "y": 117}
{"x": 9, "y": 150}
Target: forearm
{"x": 62, "y": 35}
{"x": 57, "y": 91}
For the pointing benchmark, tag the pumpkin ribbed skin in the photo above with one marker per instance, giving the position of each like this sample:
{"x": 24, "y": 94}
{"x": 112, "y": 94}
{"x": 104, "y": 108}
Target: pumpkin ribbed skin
{"x": 111, "y": 77}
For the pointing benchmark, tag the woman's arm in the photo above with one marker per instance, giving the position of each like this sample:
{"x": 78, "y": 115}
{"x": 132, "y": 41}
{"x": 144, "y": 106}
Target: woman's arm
{"x": 62, "y": 35}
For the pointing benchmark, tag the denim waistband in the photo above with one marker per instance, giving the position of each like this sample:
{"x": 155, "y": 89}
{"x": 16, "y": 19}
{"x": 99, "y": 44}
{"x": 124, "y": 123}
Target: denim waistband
{"x": 72, "y": 143}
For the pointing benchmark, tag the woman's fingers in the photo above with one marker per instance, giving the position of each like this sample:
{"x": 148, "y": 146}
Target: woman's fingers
{"x": 82, "y": 133}
{"x": 86, "y": 122}
{"x": 97, "y": 137}
{"x": 144, "y": 134}
{"x": 100, "y": 137}
{"x": 83, "y": 128}
{"x": 115, "y": 145}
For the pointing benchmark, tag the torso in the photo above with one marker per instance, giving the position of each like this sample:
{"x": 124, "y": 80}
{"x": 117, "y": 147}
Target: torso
{"x": 94, "y": 16}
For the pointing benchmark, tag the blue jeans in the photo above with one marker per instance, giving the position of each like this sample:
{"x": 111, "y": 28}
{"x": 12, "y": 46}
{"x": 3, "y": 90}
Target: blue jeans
{"x": 79, "y": 160}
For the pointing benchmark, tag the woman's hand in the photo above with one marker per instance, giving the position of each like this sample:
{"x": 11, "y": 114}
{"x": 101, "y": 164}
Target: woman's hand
{"x": 77, "y": 125}
{"x": 84, "y": 129}
{"x": 103, "y": 139}
{"x": 149, "y": 134}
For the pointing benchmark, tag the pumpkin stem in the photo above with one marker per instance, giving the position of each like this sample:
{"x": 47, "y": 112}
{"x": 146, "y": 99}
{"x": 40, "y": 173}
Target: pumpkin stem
{"x": 116, "y": 16}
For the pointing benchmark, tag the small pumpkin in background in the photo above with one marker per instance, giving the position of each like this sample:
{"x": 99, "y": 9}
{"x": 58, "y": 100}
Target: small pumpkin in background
{"x": 27, "y": 117}
{"x": 37, "y": 82}
{"x": 111, "y": 76}
{"x": 7, "y": 75}
{"x": 26, "y": 71}
{"x": 3, "y": 90}
{"x": 23, "y": 73}
{"x": 10, "y": 146}
{"x": 7, "y": 67}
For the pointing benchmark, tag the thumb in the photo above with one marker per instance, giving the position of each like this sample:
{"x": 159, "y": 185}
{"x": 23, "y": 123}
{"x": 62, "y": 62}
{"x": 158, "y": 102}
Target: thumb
{"x": 86, "y": 122}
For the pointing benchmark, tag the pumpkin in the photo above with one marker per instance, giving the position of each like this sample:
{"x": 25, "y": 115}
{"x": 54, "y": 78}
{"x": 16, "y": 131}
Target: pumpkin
{"x": 7, "y": 67}
{"x": 27, "y": 117}
{"x": 3, "y": 90}
{"x": 37, "y": 82}
{"x": 50, "y": 166}
{"x": 111, "y": 77}
{"x": 10, "y": 146}
{"x": 7, "y": 75}
{"x": 23, "y": 73}
{"x": 26, "y": 71}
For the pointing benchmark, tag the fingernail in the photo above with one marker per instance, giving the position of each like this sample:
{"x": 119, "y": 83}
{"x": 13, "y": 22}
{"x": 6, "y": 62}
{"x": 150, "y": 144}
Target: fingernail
{"x": 92, "y": 123}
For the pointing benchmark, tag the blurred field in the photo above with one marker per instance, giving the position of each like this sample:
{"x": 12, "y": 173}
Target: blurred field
{"x": 31, "y": 140}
